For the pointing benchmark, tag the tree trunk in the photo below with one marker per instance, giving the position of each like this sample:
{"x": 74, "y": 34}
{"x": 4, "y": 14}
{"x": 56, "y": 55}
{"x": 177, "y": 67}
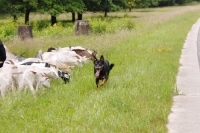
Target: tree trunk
{"x": 129, "y": 9}
{"x": 105, "y": 13}
{"x": 15, "y": 17}
{"x": 73, "y": 17}
{"x": 25, "y": 32}
{"x": 53, "y": 20}
{"x": 27, "y": 17}
{"x": 80, "y": 16}
{"x": 82, "y": 27}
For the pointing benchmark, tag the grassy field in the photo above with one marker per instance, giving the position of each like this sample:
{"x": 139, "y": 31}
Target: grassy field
{"x": 138, "y": 95}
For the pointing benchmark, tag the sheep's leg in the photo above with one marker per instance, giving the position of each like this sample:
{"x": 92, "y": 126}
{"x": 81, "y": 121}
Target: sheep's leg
{"x": 31, "y": 88}
{"x": 37, "y": 86}
{"x": 13, "y": 88}
{"x": 3, "y": 94}
{"x": 37, "y": 83}
{"x": 21, "y": 85}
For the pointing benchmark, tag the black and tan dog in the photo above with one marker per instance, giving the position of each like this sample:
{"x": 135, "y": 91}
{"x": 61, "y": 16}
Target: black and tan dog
{"x": 101, "y": 70}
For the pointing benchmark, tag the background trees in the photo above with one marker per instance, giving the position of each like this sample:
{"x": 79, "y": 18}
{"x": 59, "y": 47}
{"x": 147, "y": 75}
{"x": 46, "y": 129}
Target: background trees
{"x": 75, "y": 7}
{"x": 17, "y": 7}
{"x": 52, "y": 7}
{"x": 56, "y": 7}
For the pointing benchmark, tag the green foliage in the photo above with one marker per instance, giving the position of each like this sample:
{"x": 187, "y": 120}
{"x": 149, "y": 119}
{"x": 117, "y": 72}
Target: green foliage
{"x": 156, "y": 3}
{"x": 131, "y": 3}
{"x": 104, "y": 5}
{"x": 183, "y": 2}
{"x": 97, "y": 25}
{"x": 3, "y": 6}
{"x": 18, "y": 7}
{"x": 111, "y": 25}
{"x": 8, "y": 30}
{"x": 40, "y": 24}
{"x": 75, "y": 6}
{"x": 43, "y": 28}
{"x": 167, "y": 3}
{"x": 55, "y": 7}
{"x": 92, "y": 5}
{"x": 56, "y": 30}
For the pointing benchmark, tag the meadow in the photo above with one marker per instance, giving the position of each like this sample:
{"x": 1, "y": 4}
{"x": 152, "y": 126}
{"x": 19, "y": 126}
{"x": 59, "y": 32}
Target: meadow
{"x": 139, "y": 93}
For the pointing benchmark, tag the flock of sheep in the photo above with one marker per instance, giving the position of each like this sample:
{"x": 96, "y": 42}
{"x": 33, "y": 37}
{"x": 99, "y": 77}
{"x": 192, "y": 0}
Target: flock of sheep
{"x": 20, "y": 73}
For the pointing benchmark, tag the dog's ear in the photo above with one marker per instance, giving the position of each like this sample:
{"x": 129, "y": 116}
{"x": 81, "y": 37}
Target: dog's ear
{"x": 102, "y": 58}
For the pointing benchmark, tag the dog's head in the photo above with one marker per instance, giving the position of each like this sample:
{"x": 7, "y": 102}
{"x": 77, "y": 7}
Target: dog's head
{"x": 98, "y": 66}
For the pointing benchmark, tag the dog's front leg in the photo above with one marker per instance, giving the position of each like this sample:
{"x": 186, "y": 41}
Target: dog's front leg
{"x": 103, "y": 82}
{"x": 97, "y": 82}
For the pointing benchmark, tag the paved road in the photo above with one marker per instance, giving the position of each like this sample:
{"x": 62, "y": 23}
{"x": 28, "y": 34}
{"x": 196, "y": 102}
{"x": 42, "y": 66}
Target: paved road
{"x": 185, "y": 115}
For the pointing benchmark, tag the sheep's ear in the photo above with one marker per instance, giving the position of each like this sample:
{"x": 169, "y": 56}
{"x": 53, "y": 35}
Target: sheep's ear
{"x": 11, "y": 62}
{"x": 94, "y": 52}
{"x": 102, "y": 58}
{"x": 45, "y": 75}
{"x": 34, "y": 72}
{"x": 94, "y": 58}
{"x": 53, "y": 66}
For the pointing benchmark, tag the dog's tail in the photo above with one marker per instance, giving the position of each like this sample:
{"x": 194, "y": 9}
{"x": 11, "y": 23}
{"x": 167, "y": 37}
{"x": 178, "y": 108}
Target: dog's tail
{"x": 111, "y": 66}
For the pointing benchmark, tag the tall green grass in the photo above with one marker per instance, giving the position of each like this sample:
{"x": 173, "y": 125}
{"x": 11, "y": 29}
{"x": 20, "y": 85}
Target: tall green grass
{"x": 110, "y": 25}
{"x": 137, "y": 97}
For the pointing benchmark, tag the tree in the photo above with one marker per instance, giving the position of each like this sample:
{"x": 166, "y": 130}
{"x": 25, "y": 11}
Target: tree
{"x": 103, "y": 5}
{"x": 121, "y": 3}
{"x": 3, "y": 6}
{"x": 15, "y": 7}
{"x": 52, "y": 7}
{"x": 56, "y": 7}
{"x": 92, "y": 5}
{"x": 130, "y": 4}
{"x": 142, "y": 3}
{"x": 182, "y": 2}
{"x": 154, "y": 3}
{"x": 27, "y": 7}
{"x": 75, "y": 6}
{"x": 166, "y": 3}
{"x": 8, "y": 6}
